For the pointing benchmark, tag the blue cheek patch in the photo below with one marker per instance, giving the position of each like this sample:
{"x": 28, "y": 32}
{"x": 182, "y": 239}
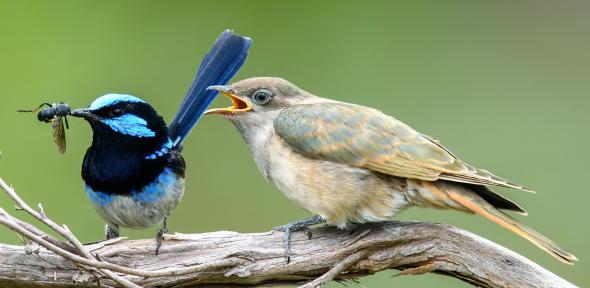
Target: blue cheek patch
{"x": 131, "y": 125}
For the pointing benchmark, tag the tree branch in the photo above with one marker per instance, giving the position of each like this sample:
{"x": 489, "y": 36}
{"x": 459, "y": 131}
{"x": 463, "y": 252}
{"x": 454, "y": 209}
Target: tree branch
{"x": 233, "y": 259}
{"x": 252, "y": 259}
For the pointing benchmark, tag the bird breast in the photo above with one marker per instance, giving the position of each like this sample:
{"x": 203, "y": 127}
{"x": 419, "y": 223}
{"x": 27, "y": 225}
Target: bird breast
{"x": 339, "y": 193}
{"x": 142, "y": 208}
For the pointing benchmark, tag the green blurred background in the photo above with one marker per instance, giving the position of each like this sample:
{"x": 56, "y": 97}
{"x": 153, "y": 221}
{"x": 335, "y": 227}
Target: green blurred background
{"x": 504, "y": 84}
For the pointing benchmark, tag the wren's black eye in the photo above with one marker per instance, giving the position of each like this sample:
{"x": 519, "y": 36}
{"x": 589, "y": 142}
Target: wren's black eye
{"x": 117, "y": 112}
{"x": 261, "y": 97}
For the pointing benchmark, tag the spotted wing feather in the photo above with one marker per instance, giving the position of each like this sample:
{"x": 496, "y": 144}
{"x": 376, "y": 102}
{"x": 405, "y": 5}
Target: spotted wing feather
{"x": 367, "y": 138}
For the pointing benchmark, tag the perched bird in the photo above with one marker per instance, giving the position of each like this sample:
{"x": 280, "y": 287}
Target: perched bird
{"x": 350, "y": 164}
{"x": 134, "y": 173}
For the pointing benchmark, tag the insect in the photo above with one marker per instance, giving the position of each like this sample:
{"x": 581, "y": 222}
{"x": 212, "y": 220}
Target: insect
{"x": 56, "y": 115}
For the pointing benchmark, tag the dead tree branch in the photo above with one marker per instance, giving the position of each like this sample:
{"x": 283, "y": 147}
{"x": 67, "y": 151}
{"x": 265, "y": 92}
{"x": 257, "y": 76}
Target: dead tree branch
{"x": 233, "y": 259}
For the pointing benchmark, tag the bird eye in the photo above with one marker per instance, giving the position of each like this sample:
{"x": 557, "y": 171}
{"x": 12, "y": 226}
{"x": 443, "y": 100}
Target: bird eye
{"x": 117, "y": 112}
{"x": 261, "y": 97}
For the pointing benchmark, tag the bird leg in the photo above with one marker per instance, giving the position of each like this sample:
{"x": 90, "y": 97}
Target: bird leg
{"x": 160, "y": 236}
{"x": 294, "y": 226}
{"x": 111, "y": 231}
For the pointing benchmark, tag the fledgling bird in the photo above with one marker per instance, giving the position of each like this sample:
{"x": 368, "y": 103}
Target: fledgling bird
{"x": 134, "y": 172}
{"x": 347, "y": 163}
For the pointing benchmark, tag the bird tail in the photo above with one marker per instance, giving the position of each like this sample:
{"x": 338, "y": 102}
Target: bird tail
{"x": 222, "y": 62}
{"x": 472, "y": 200}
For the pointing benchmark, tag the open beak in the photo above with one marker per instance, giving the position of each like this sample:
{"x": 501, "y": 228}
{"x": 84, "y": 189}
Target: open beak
{"x": 84, "y": 113}
{"x": 238, "y": 104}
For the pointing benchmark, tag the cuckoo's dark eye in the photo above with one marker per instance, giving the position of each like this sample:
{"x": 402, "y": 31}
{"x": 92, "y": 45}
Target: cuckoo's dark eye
{"x": 117, "y": 112}
{"x": 261, "y": 97}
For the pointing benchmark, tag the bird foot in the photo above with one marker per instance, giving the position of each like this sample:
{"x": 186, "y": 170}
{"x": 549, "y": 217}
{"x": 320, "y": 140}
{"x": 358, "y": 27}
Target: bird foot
{"x": 295, "y": 226}
{"x": 160, "y": 236}
{"x": 111, "y": 232}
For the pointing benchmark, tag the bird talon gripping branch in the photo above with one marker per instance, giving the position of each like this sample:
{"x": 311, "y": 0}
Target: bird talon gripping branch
{"x": 296, "y": 226}
{"x": 160, "y": 236}
{"x": 111, "y": 232}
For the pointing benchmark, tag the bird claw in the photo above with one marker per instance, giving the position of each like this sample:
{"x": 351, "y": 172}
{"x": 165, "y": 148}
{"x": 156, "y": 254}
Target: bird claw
{"x": 290, "y": 227}
{"x": 307, "y": 232}
{"x": 111, "y": 233}
{"x": 287, "y": 229}
{"x": 287, "y": 242}
{"x": 160, "y": 237}
{"x": 282, "y": 228}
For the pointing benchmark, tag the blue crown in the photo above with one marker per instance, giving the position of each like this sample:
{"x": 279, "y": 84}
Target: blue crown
{"x": 112, "y": 99}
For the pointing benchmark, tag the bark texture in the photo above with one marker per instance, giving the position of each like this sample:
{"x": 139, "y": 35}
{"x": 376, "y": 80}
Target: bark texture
{"x": 232, "y": 259}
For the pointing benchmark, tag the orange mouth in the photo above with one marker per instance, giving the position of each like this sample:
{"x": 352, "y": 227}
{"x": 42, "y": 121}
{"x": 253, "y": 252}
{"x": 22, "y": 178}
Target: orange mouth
{"x": 239, "y": 105}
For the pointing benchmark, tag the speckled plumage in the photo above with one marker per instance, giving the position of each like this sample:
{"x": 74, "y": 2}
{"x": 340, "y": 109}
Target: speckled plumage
{"x": 352, "y": 164}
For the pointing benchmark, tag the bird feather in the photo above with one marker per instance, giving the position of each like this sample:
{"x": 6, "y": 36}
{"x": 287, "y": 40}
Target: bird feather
{"x": 222, "y": 62}
{"x": 367, "y": 138}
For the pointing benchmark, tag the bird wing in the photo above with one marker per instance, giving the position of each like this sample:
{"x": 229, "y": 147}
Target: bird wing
{"x": 367, "y": 138}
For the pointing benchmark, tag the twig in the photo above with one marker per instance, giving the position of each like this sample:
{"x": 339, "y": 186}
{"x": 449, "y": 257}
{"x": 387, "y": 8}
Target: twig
{"x": 6, "y": 220}
{"x": 47, "y": 237}
{"x": 64, "y": 231}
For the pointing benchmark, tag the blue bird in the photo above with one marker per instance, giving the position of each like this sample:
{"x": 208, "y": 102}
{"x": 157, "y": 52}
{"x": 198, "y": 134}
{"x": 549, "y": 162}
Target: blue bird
{"x": 133, "y": 171}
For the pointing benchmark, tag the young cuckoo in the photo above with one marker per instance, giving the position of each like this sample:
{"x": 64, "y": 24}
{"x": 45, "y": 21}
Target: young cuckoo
{"x": 348, "y": 163}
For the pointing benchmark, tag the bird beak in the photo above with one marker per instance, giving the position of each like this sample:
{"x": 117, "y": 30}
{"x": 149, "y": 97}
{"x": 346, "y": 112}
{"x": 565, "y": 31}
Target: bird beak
{"x": 85, "y": 113}
{"x": 238, "y": 103}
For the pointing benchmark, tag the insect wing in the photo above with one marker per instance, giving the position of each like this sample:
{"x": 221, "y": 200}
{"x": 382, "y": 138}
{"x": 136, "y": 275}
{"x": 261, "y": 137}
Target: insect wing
{"x": 59, "y": 134}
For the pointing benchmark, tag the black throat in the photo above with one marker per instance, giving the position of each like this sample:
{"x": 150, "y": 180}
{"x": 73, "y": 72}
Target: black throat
{"x": 117, "y": 163}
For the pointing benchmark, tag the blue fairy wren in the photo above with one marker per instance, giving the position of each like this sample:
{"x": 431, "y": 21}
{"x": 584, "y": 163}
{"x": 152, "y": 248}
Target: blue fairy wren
{"x": 133, "y": 171}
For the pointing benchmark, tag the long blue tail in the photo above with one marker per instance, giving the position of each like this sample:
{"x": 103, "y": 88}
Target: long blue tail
{"x": 222, "y": 62}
